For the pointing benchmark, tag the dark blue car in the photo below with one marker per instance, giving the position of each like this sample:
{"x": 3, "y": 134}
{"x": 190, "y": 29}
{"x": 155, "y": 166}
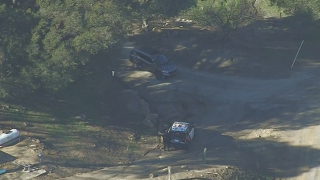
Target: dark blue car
{"x": 153, "y": 61}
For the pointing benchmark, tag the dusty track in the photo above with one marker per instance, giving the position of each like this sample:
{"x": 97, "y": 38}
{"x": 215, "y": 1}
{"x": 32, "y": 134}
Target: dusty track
{"x": 265, "y": 125}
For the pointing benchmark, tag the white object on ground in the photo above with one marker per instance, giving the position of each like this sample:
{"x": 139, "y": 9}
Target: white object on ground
{"x": 6, "y": 137}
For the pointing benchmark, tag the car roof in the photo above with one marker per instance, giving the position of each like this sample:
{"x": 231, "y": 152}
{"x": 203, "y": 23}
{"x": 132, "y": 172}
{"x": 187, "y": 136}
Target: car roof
{"x": 148, "y": 50}
{"x": 179, "y": 126}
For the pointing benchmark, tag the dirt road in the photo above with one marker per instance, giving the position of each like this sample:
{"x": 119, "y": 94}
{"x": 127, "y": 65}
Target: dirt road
{"x": 268, "y": 126}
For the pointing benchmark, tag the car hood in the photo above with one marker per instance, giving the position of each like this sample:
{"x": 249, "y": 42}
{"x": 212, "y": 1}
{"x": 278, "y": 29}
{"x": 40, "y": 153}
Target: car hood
{"x": 169, "y": 66}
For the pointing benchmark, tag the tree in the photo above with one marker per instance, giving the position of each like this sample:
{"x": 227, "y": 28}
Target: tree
{"x": 69, "y": 34}
{"x": 14, "y": 37}
{"x": 157, "y": 8}
{"x": 224, "y": 15}
{"x": 305, "y": 8}
{"x": 146, "y": 10}
{"x": 47, "y": 46}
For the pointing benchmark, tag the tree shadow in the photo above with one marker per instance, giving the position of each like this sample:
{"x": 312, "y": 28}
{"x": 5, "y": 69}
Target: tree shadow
{"x": 266, "y": 157}
{"x": 264, "y": 49}
{"x": 278, "y": 159}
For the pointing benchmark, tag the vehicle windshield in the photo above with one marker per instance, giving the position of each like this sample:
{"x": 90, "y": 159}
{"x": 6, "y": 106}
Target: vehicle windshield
{"x": 160, "y": 59}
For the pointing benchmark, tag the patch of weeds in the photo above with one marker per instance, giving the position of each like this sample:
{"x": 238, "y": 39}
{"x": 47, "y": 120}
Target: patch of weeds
{"x": 133, "y": 147}
{"x": 147, "y": 132}
{"x": 78, "y": 126}
{"x": 239, "y": 174}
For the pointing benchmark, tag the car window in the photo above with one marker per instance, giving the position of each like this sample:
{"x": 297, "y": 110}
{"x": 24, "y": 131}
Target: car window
{"x": 147, "y": 58}
{"x": 138, "y": 53}
{"x": 160, "y": 59}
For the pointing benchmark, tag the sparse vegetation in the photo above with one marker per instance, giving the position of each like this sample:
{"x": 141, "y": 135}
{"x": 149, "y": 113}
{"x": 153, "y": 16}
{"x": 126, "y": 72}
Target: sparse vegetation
{"x": 45, "y": 46}
{"x": 55, "y": 58}
{"x": 222, "y": 15}
{"x": 304, "y": 8}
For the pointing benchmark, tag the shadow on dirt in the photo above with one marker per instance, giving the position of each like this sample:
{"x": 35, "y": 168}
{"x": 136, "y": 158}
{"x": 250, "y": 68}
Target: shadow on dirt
{"x": 194, "y": 179}
{"x": 281, "y": 115}
{"x": 4, "y": 157}
{"x": 264, "y": 49}
{"x": 284, "y": 111}
{"x": 269, "y": 158}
